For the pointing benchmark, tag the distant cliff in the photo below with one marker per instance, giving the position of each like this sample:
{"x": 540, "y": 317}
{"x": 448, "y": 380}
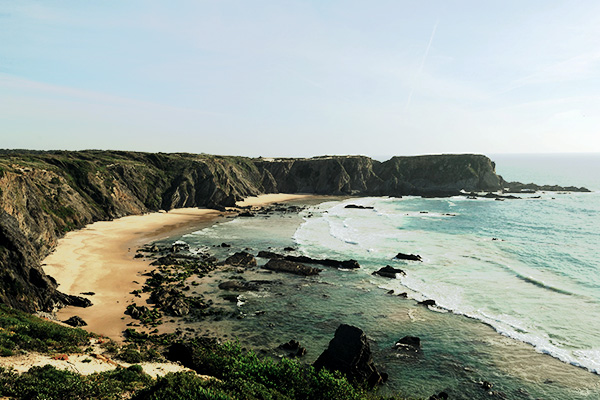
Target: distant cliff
{"x": 45, "y": 194}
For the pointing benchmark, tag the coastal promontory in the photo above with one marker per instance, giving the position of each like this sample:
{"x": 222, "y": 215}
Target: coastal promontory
{"x": 43, "y": 195}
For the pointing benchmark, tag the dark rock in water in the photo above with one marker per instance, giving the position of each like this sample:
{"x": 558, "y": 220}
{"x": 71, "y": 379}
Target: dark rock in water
{"x": 294, "y": 348}
{"x": 240, "y": 286}
{"x": 403, "y": 295}
{"x": 291, "y": 345}
{"x": 138, "y": 255}
{"x": 291, "y": 267}
{"x": 349, "y": 353}
{"x": 154, "y": 249}
{"x": 359, "y": 207}
{"x": 288, "y": 249}
{"x": 75, "y": 321}
{"x": 347, "y": 264}
{"x": 268, "y": 254}
{"x": 225, "y": 245}
{"x": 390, "y": 291}
{"x": 87, "y": 293}
{"x": 246, "y": 214}
{"x": 428, "y": 302}
{"x": 410, "y": 257}
{"x": 412, "y": 342}
{"x": 389, "y": 272}
{"x": 230, "y": 297}
{"x": 439, "y": 396}
{"x": 485, "y": 385}
{"x": 241, "y": 259}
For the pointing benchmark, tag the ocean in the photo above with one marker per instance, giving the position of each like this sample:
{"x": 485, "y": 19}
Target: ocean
{"x": 516, "y": 283}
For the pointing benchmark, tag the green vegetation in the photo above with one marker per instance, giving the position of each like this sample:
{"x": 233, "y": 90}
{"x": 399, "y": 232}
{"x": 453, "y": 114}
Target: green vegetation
{"x": 48, "y": 382}
{"x": 20, "y": 331}
{"x": 243, "y": 374}
{"x": 234, "y": 373}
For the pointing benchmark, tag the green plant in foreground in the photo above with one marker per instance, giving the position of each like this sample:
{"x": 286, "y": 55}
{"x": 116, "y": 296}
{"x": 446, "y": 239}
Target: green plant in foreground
{"x": 21, "y": 331}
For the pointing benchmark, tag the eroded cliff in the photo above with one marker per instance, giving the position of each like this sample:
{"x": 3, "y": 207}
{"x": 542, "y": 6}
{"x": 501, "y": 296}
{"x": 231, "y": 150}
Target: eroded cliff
{"x": 45, "y": 194}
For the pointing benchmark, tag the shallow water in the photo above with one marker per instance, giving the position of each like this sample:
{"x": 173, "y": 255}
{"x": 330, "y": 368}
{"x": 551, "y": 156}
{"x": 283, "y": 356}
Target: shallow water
{"x": 517, "y": 284}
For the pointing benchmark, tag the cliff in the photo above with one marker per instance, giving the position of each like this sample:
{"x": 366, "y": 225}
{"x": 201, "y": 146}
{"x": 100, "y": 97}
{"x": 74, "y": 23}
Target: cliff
{"x": 45, "y": 194}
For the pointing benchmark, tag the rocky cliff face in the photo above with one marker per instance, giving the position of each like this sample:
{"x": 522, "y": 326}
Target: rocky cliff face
{"x": 437, "y": 175}
{"x": 45, "y": 194}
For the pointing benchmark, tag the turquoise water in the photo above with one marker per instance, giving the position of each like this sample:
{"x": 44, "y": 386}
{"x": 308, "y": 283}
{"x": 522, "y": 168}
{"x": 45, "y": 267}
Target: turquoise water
{"x": 517, "y": 285}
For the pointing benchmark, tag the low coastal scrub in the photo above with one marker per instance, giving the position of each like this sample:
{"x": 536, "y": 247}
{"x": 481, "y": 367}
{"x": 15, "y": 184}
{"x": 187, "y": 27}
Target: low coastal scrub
{"x": 48, "y": 382}
{"x": 20, "y": 331}
{"x": 223, "y": 371}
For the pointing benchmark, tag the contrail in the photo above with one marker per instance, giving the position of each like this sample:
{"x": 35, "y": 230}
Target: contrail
{"x": 422, "y": 65}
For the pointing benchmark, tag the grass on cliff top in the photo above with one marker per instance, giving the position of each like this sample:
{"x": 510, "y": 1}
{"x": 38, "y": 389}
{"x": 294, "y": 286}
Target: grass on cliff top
{"x": 20, "y": 331}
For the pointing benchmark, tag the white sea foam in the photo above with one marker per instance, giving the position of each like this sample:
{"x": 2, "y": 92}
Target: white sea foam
{"x": 468, "y": 273}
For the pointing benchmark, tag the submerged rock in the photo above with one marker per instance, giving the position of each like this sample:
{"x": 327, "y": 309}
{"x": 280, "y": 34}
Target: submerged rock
{"x": 350, "y": 353}
{"x": 291, "y": 267}
{"x": 389, "y": 272}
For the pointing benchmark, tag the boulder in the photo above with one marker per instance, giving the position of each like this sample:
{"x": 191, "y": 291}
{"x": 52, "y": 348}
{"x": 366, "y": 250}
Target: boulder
{"x": 427, "y": 302}
{"x": 268, "y": 254}
{"x": 408, "y": 342}
{"x": 75, "y": 321}
{"x": 409, "y": 257}
{"x": 291, "y": 267}
{"x": 389, "y": 272}
{"x": 349, "y": 353}
{"x": 293, "y": 348}
{"x": 347, "y": 264}
{"x": 359, "y": 207}
{"x": 241, "y": 259}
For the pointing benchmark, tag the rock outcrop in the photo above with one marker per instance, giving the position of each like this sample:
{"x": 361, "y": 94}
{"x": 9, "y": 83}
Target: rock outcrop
{"x": 291, "y": 267}
{"x": 389, "y": 272}
{"x": 349, "y": 352}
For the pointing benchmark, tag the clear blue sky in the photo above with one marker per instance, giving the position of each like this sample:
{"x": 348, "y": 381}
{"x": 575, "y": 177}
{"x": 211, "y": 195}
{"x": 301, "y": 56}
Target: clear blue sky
{"x": 301, "y": 78}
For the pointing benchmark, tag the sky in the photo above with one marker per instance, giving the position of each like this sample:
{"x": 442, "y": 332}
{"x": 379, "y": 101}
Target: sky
{"x": 301, "y": 78}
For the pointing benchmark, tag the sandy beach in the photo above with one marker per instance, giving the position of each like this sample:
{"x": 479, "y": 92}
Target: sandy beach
{"x": 100, "y": 259}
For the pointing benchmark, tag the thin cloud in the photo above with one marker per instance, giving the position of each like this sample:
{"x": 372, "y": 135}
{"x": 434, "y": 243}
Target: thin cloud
{"x": 420, "y": 71}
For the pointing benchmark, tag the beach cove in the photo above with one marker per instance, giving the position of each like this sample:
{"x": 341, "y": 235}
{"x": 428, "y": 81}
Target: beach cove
{"x": 99, "y": 259}
{"x": 458, "y": 352}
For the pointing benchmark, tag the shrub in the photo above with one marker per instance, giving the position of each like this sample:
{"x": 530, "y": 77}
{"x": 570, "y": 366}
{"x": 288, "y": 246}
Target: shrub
{"x": 24, "y": 331}
{"x": 181, "y": 386}
{"x": 130, "y": 355}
